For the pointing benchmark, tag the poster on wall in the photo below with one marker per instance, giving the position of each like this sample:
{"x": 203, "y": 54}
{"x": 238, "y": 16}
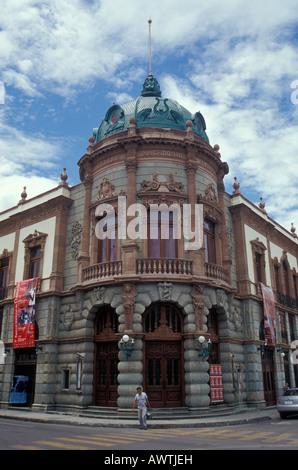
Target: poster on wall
{"x": 269, "y": 313}
{"x": 216, "y": 387}
{"x": 24, "y": 314}
{"x": 19, "y": 389}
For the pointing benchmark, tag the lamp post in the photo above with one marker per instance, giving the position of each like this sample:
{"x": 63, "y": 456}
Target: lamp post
{"x": 204, "y": 349}
{"x": 127, "y": 345}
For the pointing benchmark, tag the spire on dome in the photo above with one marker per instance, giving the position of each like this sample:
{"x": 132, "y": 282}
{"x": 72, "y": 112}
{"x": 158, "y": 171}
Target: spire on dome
{"x": 151, "y": 85}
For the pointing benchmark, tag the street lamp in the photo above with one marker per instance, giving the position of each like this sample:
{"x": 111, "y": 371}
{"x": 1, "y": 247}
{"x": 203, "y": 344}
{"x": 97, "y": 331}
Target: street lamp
{"x": 205, "y": 349}
{"x": 127, "y": 345}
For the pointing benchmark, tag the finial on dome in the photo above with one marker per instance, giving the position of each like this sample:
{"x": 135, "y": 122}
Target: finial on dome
{"x": 151, "y": 87}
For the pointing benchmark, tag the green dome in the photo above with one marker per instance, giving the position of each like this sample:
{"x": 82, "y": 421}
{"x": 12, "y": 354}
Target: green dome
{"x": 150, "y": 110}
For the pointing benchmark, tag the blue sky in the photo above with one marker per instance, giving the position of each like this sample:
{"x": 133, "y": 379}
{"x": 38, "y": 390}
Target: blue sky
{"x": 64, "y": 63}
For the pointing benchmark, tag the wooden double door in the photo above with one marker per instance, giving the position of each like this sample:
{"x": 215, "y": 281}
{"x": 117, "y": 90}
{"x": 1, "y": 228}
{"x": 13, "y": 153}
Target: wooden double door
{"x": 106, "y": 372}
{"x": 163, "y": 356}
{"x": 268, "y": 377}
{"x": 105, "y": 385}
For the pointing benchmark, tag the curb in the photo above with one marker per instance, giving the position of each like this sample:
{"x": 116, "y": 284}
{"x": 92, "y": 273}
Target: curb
{"x": 98, "y": 422}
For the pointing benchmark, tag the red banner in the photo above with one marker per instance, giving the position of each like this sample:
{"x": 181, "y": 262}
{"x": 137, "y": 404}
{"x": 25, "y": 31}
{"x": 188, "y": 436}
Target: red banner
{"x": 269, "y": 313}
{"x": 216, "y": 386}
{"x": 24, "y": 314}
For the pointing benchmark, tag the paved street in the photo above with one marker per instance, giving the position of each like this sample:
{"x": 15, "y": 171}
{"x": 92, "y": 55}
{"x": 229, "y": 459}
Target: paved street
{"x": 269, "y": 435}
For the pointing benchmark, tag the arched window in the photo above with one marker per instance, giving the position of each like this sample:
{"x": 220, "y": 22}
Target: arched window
{"x": 209, "y": 240}
{"x": 161, "y": 316}
{"x": 106, "y": 319}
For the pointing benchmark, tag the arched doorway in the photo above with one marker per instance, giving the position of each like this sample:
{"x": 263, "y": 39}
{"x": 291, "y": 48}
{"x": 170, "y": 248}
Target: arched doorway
{"x": 163, "y": 356}
{"x": 105, "y": 358}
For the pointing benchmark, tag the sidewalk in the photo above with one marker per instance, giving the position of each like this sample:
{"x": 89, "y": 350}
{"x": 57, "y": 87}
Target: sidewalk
{"x": 241, "y": 417}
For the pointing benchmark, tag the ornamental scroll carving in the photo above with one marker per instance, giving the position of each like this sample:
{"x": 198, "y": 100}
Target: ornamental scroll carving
{"x": 75, "y": 239}
{"x": 162, "y": 192}
{"x": 162, "y": 186}
{"x": 107, "y": 190}
{"x": 197, "y": 294}
{"x": 129, "y": 295}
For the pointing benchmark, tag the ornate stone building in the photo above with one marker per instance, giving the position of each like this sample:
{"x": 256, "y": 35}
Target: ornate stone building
{"x": 114, "y": 311}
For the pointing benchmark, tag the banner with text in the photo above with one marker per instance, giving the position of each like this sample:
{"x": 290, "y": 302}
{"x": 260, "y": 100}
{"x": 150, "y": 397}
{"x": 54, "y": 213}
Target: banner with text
{"x": 24, "y": 314}
{"x": 269, "y": 313}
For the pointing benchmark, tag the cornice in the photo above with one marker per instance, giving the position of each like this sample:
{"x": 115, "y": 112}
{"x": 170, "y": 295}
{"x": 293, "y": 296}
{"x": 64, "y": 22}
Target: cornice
{"x": 113, "y": 151}
{"x": 35, "y": 214}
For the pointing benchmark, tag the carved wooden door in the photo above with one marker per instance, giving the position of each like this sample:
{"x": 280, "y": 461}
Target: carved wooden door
{"x": 268, "y": 377}
{"x": 164, "y": 364}
{"x": 106, "y": 374}
{"x": 105, "y": 390}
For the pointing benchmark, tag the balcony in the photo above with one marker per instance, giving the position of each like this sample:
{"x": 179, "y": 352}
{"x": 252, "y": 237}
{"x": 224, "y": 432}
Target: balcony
{"x": 161, "y": 266}
{"x": 214, "y": 271}
{"x": 102, "y": 271}
{"x": 287, "y": 301}
{"x": 153, "y": 267}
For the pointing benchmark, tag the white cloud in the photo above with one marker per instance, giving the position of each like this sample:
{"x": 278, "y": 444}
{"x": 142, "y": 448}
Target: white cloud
{"x": 12, "y": 188}
{"x": 25, "y": 161}
{"x": 234, "y": 62}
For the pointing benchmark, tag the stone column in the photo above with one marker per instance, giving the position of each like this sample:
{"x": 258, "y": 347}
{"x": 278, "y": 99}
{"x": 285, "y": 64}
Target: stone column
{"x": 197, "y": 256}
{"x": 130, "y": 247}
{"x": 57, "y": 275}
{"x": 130, "y": 369}
{"x": 83, "y": 260}
{"x": 196, "y": 378}
{"x": 196, "y": 367}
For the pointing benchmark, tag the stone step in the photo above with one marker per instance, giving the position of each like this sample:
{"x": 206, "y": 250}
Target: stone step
{"x": 157, "y": 413}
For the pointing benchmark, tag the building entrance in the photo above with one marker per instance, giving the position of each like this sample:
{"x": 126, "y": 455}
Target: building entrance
{"x": 163, "y": 353}
{"x": 268, "y": 377}
{"x": 23, "y": 386}
{"x": 106, "y": 358}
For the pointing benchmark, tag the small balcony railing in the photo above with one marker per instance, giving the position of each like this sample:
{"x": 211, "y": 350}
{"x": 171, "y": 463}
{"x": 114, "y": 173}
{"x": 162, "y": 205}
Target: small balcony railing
{"x": 287, "y": 301}
{"x": 102, "y": 270}
{"x": 157, "y": 266}
{"x": 214, "y": 271}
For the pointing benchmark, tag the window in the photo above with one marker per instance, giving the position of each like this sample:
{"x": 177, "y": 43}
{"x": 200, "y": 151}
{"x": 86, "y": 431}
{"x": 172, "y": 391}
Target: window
{"x": 107, "y": 243}
{"x": 161, "y": 234}
{"x": 1, "y": 319}
{"x": 258, "y": 254}
{"x": 66, "y": 378}
{"x": 209, "y": 239}
{"x": 258, "y": 261}
{"x": 295, "y": 287}
{"x": 3, "y": 277}
{"x": 283, "y": 328}
{"x": 276, "y": 277}
{"x": 292, "y": 327}
{"x": 35, "y": 245}
{"x": 35, "y": 258}
{"x": 286, "y": 278}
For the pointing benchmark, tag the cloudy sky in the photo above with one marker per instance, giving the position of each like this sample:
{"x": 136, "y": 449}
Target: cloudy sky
{"x": 63, "y": 63}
